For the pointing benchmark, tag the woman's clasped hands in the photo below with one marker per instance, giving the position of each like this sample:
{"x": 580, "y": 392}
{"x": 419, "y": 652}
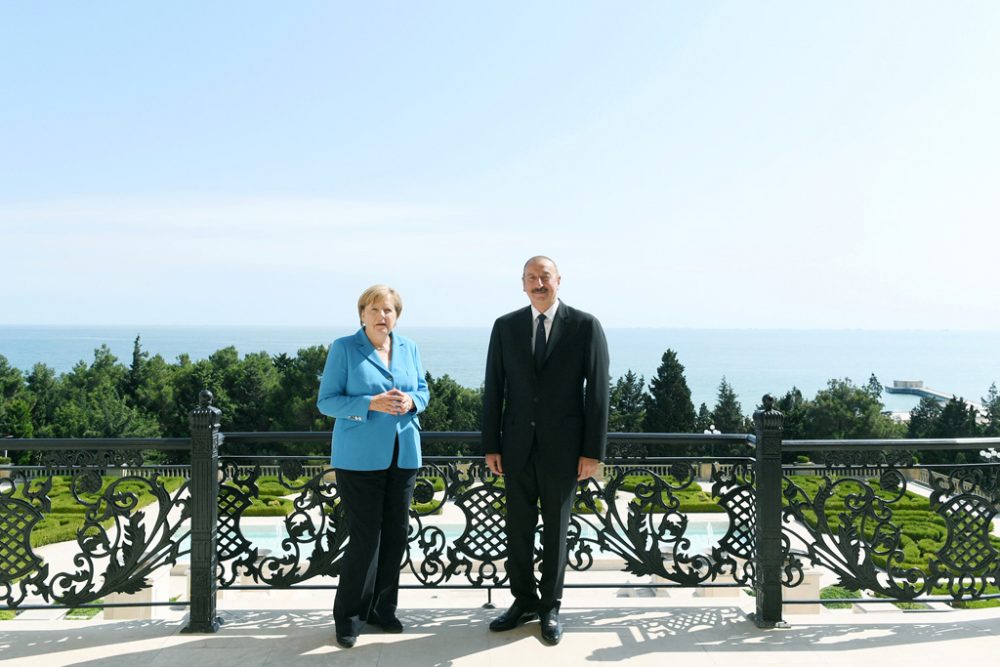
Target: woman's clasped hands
{"x": 393, "y": 402}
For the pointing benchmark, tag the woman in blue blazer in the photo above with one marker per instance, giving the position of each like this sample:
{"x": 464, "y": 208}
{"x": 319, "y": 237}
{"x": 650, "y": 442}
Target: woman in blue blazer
{"x": 373, "y": 384}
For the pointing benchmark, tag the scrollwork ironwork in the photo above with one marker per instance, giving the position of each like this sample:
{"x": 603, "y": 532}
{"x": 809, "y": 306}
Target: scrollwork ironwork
{"x": 315, "y": 528}
{"x": 120, "y": 543}
{"x": 641, "y": 523}
{"x": 853, "y": 526}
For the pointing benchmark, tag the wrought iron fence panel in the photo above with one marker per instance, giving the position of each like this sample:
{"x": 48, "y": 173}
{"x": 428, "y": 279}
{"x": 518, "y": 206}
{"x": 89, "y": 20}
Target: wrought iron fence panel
{"x": 633, "y": 520}
{"x": 315, "y": 530}
{"x": 641, "y": 522}
{"x": 855, "y": 523}
{"x": 478, "y": 552}
{"x": 734, "y": 487}
{"x": 121, "y": 541}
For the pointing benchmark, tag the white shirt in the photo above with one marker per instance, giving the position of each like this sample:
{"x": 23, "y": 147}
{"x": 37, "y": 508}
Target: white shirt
{"x": 549, "y": 314}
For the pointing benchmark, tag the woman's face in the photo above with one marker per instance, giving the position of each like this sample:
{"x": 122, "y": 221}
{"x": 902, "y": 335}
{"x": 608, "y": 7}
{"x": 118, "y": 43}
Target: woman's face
{"x": 379, "y": 316}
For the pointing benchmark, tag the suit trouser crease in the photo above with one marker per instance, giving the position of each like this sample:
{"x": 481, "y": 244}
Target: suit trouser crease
{"x": 377, "y": 506}
{"x": 524, "y": 489}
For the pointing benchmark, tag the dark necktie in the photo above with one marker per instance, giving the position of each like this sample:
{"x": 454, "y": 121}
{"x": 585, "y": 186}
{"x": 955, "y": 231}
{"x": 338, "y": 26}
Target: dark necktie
{"x": 540, "y": 342}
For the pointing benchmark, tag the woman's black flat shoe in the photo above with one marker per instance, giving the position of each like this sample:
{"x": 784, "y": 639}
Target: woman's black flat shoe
{"x": 392, "y": 625}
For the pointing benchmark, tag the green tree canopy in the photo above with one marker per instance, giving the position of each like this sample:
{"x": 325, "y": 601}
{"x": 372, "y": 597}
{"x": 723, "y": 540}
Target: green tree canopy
{"x": 793, "y": 406}
{"x": 703, "y": 422}
{"x": 452, "y": 408}
{"x": 668, "y": 404}
{"x": 957, "y": 420}
{"x": 844, "y": 410}
{"x": 992, "y": 417}
{"x": 728, "y": 413}
{"x": 924, "y": 417}
{"x": 627, "y": 404}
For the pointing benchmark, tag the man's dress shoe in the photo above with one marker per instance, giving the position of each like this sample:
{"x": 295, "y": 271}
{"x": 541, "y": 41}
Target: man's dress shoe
{"x": 551, "y": 627}
{"x": 346, "y": 641}
{"x": 512, "y": 618}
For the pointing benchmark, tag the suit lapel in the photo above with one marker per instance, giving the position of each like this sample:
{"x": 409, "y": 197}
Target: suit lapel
{"x": 367, "y": 350}
{"x": 558, "y": 326}
{"x": 394, "y": 362}
{"x": 523, "y": 333}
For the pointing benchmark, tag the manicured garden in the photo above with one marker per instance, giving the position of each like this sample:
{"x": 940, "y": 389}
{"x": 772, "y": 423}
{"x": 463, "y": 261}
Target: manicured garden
{"x": 66, "y": 516}
{"x": 692, "y": 500}
{"x": 922, "y": 532}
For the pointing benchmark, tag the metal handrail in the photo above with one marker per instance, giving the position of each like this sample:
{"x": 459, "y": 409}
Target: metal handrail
{"x": 889, "y": 443}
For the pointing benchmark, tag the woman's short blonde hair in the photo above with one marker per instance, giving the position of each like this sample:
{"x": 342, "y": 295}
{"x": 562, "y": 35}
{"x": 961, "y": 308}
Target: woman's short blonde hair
{"x": 377, "y": 293}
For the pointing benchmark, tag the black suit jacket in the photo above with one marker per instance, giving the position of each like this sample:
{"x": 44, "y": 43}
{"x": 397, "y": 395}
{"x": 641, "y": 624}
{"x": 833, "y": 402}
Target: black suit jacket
{"x": 561, "y": 407}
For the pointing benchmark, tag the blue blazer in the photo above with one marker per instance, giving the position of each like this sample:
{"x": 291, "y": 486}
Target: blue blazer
{"x": 363, "y": 439}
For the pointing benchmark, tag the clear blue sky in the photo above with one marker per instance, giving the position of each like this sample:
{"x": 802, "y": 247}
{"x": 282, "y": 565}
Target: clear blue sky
{"x": 688, "y": 164}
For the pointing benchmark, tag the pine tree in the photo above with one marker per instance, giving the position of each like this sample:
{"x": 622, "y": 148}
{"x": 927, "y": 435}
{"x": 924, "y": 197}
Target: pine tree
{"x": 668, "y": 404}
{"x": 923, "y": 418}
{"x": 957, "y": 420}
{"x": 704, "y": 422}
{"x": 992, "y": 404}
{"x": 793, "y": 406}
{"x": 135, "y": 375}
{"x": 627, "y": 404}
{"x": 728, "y": 412}
{"x": 875, "y": 387}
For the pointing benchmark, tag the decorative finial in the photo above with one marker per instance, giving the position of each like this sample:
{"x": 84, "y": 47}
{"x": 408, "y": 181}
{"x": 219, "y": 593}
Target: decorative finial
{"x": 205, "y": 398}
{"x": 768, "y": 402}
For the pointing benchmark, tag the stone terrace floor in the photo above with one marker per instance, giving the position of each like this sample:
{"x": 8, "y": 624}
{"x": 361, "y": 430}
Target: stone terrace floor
{"x": 449, "y": 627}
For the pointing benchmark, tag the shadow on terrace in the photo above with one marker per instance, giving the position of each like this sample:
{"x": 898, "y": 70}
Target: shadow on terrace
{"x": 442, "y": 636}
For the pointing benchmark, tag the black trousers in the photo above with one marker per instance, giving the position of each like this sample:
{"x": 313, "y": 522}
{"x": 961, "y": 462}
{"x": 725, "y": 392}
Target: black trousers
{"x": 556, "y": 490}
{"x": 377, "y": 507}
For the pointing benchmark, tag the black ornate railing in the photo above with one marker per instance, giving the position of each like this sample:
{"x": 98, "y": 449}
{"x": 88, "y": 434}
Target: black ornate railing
{"x": 849, "y": 514}
{"x": 633, "y": 517}
{"x": 115, "y": 548}
{"x": 886, "y": 524}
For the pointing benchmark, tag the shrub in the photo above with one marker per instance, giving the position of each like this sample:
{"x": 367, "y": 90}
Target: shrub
{"x": 975, "y": 604}
{"x": 838, "y": 592}
{"x": 583, "y": 508}
{"x": 269, "y": 506}
{"x": 423, "y": 509}
{"x": 436, "y": 482}
{"x": 84, "y": 613}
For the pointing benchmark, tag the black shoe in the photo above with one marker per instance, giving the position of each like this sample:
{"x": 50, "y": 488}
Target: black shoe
{"x": 512, "y": 618}
{"x": 551, "y": 627}
{"x": 390, "y": 625}
{"x": 347, "y": 641}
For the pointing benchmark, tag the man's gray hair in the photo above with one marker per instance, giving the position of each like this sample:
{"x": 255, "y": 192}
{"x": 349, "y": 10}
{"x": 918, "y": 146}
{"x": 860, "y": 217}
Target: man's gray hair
{"x": 539, "y": 258}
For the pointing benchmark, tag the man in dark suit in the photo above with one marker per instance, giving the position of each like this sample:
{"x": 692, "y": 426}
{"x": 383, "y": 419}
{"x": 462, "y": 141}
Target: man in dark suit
{"x": 545, "y": 422}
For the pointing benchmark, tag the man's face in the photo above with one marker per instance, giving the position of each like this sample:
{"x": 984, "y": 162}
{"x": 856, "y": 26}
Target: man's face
{"x": 541, "y": 283}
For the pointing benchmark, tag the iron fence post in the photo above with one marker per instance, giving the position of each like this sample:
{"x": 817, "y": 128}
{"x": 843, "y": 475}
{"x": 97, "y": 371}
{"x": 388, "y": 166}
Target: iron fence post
{"x": 769, "y": 424}
{"x": 204, "y": 489}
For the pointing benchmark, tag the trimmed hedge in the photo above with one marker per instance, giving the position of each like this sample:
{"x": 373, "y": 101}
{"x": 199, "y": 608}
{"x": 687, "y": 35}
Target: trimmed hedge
{"x": 692, "y": 499}
{"x": 923, "y": 532}
{"x": 835, "y": 592}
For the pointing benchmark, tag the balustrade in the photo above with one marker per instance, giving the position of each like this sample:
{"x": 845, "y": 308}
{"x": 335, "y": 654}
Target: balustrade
{"x": 867, "y": 513}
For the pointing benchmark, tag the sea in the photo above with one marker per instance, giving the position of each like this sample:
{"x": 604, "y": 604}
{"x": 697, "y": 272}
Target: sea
{"x": 754, "y": 361}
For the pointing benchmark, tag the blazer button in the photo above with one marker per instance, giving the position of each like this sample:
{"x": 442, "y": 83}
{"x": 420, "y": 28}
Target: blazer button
{"x": 532, "y": 423}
